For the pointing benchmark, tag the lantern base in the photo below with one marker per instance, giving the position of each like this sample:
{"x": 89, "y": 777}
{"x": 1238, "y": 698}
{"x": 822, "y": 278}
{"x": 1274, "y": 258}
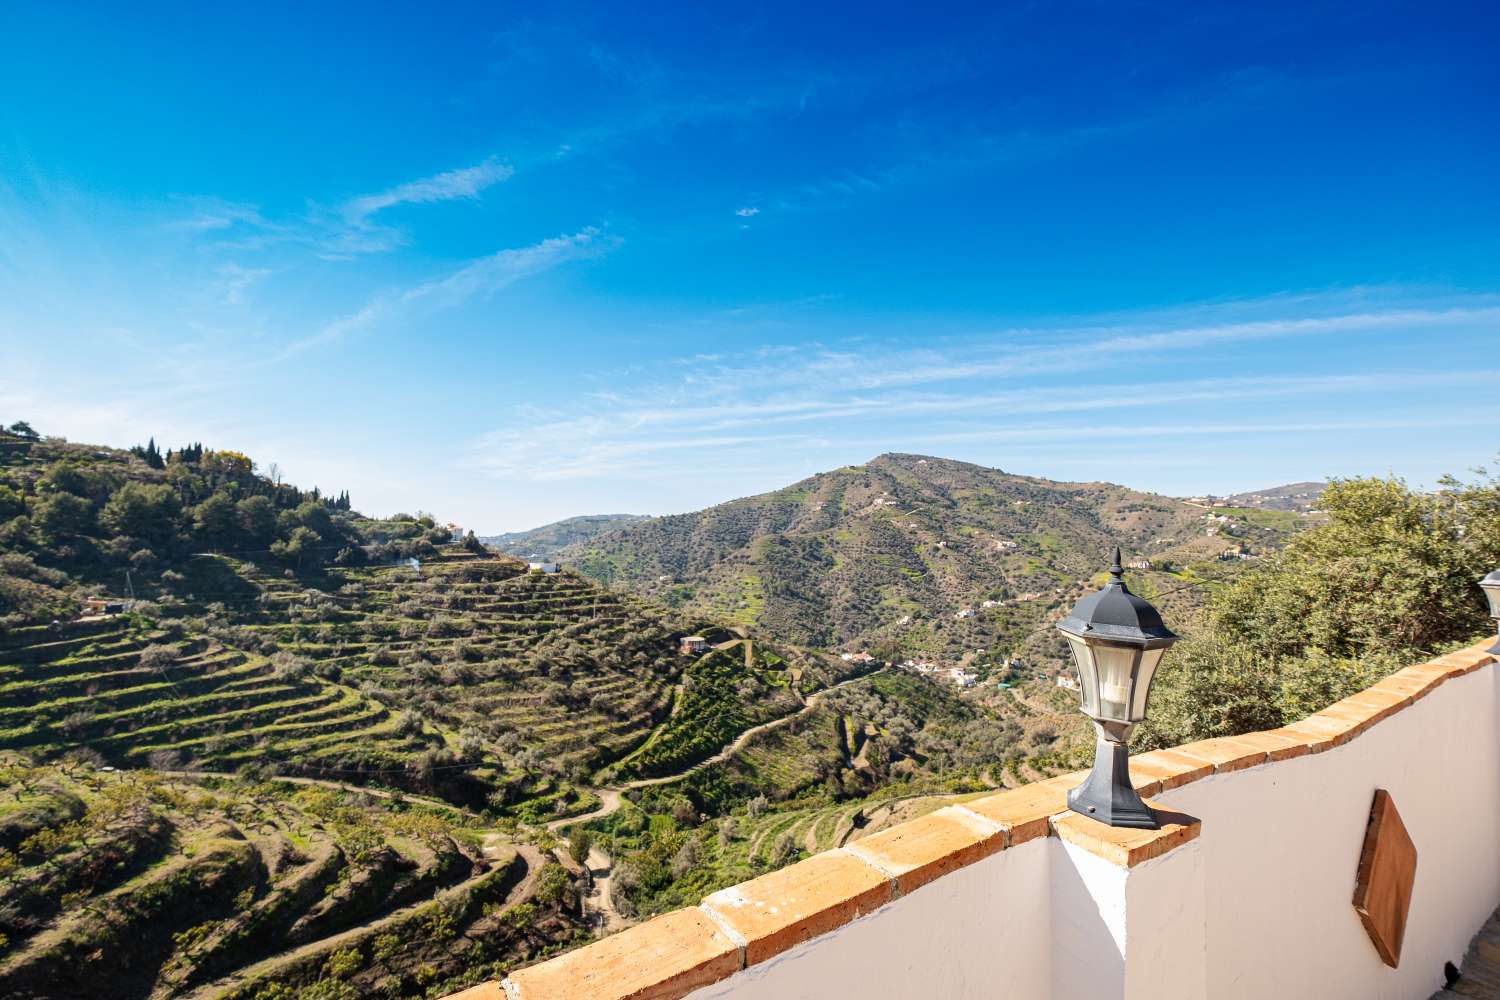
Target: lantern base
{"x": 1107, "y": 795}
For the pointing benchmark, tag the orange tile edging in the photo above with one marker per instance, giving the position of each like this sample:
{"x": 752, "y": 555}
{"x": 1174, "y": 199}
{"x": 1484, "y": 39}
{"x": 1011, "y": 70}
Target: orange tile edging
{"x": 670, "y": 956}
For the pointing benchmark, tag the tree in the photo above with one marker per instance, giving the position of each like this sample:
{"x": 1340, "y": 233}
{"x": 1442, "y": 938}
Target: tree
{"x": 1391, "y": 572}
{"x": 216, "y": 519}
{"x": 63, "y": 515}
{"x": 22, "y": 429}
{"x": 257, "y": 518}
{"x": 580, "y": 841}
{"x": 299, "y": 548}
{"x": 12, "y": 504}
{"x": 1209, "y": 687}
{"x": 1390, "y": 578}
{"x": 142, "y": 510}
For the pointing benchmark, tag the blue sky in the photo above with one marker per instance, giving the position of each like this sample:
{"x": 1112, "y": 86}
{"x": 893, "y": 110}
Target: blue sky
{"x": 510, "y": 264}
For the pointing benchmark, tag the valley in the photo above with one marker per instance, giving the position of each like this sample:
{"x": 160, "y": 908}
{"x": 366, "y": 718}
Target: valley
{"x": 331, "y": 730}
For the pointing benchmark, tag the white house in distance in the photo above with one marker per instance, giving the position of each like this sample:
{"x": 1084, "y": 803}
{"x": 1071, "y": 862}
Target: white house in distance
{"x": 964, "y": 613}
{"x": 543, "y": 567}
{"x": 691, "y": 644}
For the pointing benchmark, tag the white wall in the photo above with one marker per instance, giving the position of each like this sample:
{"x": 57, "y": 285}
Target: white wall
{"x": 1281, "y": 846}
{"x": 981, "y": 931}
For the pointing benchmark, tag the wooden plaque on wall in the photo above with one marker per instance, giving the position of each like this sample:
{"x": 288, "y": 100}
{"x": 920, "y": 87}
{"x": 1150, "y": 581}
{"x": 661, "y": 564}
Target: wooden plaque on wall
{"x": 1387, "y": 872}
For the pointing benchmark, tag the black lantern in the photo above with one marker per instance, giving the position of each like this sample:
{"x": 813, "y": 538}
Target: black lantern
{"x": 1117, "y": 640}
{"x": 1491, "y": 587}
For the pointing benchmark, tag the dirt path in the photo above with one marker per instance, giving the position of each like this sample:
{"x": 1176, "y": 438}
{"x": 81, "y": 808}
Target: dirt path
{"x": 599, "y": 904}
{"x": 739, "y": 741}
{"x": 609, "y": 799}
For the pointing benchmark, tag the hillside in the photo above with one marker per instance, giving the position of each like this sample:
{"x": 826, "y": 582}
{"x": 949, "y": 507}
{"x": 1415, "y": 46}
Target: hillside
{"x": 914, "y": 555}
{"x": 550, "y": 539}
{"x": 1300, "y": 497}
{"x": 183, "y": 886}
{"x": 185, "y": 628}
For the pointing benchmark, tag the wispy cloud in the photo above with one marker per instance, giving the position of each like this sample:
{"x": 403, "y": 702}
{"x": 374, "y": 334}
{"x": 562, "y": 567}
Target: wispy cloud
{"x": 349, "y": 229}
{"x": 1012, "y": 385}
{"x": 749, "y": 211}
{"x": 477, "y": 278}
{"x": 236, "y": 281}
{"x": 446, "y": 186}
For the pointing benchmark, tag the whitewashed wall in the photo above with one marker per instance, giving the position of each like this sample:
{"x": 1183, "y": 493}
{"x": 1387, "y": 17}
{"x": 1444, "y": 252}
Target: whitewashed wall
{"x": 981, "y": 931}
{"x": 1281, "y": 845}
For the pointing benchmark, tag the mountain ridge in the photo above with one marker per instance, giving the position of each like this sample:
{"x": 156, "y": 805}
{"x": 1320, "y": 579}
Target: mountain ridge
{"x": 904, "y": 551}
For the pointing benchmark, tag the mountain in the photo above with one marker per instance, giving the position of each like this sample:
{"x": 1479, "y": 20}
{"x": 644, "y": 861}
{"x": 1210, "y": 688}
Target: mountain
{"x": 1299, "y": 497}
{"x": 914, "y": 555}
{"x": 545, "y": 542}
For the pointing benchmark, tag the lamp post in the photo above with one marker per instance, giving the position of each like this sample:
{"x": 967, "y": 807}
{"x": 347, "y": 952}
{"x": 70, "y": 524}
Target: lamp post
{"x": 1491, "y": 587}
{"x": 1117, "y": 640}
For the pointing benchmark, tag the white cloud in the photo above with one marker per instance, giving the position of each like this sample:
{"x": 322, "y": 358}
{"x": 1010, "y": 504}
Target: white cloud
{"x": 481, "y": 277}
{"x": 1016, "y": 385}
{"x": 235, "y": 281}
{"x": 447, "y": 186}
{"x": 747, "y": 212}
{"x": 488, "y": 275}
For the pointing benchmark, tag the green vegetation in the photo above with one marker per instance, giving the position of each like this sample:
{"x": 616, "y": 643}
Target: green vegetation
{"x": 1388, "y": 580}
{"x": 838, "y": 560}
{"x": 174, "y": 886}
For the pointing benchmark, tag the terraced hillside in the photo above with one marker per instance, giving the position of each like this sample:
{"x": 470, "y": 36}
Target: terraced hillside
{"x": 534, "y": 679}
{"x": 168, "y": 887}
{"x": 133, "y": 693}
{"x": 902, "y": 554}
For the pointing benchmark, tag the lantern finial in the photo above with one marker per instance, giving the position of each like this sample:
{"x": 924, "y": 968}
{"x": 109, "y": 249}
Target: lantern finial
{"x": 1116, "y": 571}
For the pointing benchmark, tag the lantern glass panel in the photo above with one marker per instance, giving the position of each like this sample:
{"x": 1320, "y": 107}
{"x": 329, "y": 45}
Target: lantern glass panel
{"x": 1116, "y": 665}
{"x": 1150, "y": 658}
{"x": 1083, "y": 656}
{"x": 1492, "y": 591}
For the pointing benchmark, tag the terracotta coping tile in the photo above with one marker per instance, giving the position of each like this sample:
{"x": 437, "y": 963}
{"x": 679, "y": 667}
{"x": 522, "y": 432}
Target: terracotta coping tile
{"x": 784, "y": 908}
{"x": 1402, "y": 683}
{"x": 1146, "y": 777}
{"x": 1471, "y": 657}
{"x": 662, "y": 959}
{"x": 1354, "y": 718}
{"x": 1225, "y": 754}
{"x": 1380, "y": 703}
{"x": 1276, "y": 745}
{"x": 1173, "y": 768}
{"x": 916, "y": 852}
{"x": 1067, "y": 782}
{"x": 491, "y": 990}
{"x": 1321, "y": 732}
{"x": 1126, "y": 847}
{"x": 1024, "y": 811}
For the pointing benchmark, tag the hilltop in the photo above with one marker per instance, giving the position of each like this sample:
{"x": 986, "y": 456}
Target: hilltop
{"x": 912, "y": 554}
{"x": 1300, "y": 497}
{"x": 550, "y": 539}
